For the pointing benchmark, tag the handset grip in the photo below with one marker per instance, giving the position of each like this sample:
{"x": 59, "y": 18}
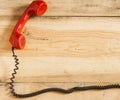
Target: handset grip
{"x": 17, "y": 39}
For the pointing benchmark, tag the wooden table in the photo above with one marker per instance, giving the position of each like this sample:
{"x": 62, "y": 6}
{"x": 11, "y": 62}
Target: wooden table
{"x": 76, "y": 43}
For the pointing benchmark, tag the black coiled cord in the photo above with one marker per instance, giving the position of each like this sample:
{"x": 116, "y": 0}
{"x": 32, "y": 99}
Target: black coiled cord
{"x": 60, "y": 90}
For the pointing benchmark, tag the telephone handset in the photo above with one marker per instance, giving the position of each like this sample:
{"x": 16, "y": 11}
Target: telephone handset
{"x": 17, "y": 39}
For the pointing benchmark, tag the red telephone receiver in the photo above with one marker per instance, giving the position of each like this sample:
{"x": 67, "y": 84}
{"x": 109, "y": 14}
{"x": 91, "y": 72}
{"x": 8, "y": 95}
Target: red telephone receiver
{"x": 37, "y": 7}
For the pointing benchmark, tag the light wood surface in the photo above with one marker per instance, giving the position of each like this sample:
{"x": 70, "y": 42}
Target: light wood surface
{"x": 65, "y": 7}
{"x": 65, "y": 48}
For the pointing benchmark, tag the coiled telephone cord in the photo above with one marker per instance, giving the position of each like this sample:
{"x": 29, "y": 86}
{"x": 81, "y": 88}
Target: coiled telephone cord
{"x": 60, "y": 90}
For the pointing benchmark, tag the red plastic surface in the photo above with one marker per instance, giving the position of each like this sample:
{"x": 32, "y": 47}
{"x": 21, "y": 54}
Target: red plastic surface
{"x": 17, "y": 39}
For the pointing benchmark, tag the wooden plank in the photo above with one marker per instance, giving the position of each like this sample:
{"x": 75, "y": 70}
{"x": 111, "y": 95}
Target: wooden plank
{"x": 65, "y": 7}
{"x": 52, "y": 30}
{"x": 53, "y": 69}
{"x": 64, "y": 50}
{"x": 113, "y": 94}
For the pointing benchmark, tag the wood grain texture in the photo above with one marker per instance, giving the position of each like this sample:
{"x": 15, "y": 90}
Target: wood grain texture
{"x": 63, "y": 47}
{"x": 65, "y": 7}
{"x": 64, "y": 50}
